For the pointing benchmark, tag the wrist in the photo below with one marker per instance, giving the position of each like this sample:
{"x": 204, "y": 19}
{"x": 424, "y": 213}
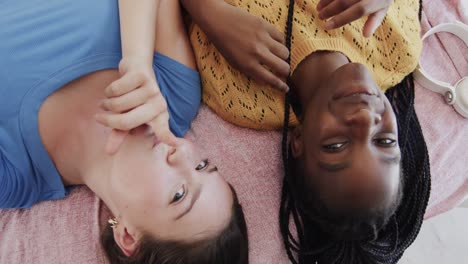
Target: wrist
{"x": 136, "y": 62}
{"x": 142, "y": 59}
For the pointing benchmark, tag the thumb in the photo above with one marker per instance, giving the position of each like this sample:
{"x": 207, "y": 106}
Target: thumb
{"x": 115, "y": 139}
{"x": 373, "y": 22}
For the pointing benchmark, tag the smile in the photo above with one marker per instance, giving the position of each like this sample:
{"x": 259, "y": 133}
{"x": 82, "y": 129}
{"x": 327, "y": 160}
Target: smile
{"x": 358, "y": 90}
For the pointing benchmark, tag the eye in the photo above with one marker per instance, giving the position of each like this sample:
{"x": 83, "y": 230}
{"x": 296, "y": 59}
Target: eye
{"x": 179, "y": 195}
{"x": 202, "y": 165}
{"x": 385, "y": 142}
{"x": 335, "y": 147}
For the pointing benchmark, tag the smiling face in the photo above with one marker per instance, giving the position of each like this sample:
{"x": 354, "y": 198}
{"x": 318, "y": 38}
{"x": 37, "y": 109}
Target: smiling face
{"x": 347, "y": 143}
{"x": 168, "y": 193}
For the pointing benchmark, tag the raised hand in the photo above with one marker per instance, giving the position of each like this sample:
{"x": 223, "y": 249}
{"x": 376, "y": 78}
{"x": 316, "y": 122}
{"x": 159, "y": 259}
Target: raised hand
{"x": 134, "y": 100}
{"x": 342, "y": 12}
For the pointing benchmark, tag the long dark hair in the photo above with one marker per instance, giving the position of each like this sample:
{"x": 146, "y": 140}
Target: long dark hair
{"x": 228, "y": 247}
{"x": 394, "y": 229}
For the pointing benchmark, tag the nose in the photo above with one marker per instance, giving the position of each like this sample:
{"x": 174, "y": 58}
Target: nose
{"x": 363, "y": 119}
{"x": 181, "y": 155}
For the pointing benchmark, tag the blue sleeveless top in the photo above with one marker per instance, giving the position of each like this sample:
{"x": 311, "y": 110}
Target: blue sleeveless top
{"x": 43, "y": 46}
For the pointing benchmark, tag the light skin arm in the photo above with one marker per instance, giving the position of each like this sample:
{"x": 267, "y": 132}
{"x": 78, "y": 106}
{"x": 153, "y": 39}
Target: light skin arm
{"x": 135, "y": 98}
{"x": 138, "y": 28}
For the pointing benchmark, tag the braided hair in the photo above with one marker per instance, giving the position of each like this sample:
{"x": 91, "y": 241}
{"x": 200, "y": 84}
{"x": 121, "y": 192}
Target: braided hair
{"x": 393, "y": 231}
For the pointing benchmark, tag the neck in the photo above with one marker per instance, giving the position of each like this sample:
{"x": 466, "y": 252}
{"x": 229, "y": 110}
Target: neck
{"x": 313, "y": 71}
{"x": 94, "y": 165}
{"x": 73, "y": 138}
{"x": 98, "y": 179}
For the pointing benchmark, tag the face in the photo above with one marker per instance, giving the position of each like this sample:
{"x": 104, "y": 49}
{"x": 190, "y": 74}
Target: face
{"x": 347, "y": 142}
{"x": 169, "y": 193}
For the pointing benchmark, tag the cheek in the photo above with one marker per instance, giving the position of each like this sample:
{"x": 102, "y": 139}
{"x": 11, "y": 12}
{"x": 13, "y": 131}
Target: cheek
{"x": 147, "y": 179}
{"x": 393, "y": 181}
{"x": 389, "y": 116}
{"x": 311, "y": 178}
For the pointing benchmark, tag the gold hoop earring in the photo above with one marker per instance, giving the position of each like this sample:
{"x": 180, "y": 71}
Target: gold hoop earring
{"x": 113, "y": 222}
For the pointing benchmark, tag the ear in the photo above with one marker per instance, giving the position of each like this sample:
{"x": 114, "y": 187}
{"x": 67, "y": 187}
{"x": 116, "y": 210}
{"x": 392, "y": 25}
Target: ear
{"x": 297, "y": 143}
{"x": 127, "y": 242}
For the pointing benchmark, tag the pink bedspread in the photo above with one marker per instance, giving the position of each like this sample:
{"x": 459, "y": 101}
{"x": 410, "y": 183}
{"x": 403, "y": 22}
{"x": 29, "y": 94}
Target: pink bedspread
{"x": 67, "y": 231}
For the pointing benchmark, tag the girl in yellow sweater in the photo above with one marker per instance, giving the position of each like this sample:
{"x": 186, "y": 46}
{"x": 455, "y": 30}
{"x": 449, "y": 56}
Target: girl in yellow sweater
{"x": 357, "y": 174}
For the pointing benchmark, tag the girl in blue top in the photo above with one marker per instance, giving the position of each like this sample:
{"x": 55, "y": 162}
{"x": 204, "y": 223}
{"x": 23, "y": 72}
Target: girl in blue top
{"x": 58, "y": 74}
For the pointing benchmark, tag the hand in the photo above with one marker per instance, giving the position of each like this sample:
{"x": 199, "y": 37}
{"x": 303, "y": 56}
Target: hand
{"x": 134, "y": 100}
{"x": 343, "y": 12}
{"x": 248, "y": 43}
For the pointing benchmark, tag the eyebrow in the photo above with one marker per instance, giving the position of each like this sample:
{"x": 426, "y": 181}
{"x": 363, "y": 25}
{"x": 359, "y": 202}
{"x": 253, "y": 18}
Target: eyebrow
{"x": 334, "y": 167}
{"x": 392, "y": 160}
{"x": 195, "y": 197}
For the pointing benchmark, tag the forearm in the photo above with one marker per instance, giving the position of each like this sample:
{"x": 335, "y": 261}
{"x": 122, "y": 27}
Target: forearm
{"x": 247, "y": 42}
{"x": 138, "y": 27}
{"x": 202, "y": 10}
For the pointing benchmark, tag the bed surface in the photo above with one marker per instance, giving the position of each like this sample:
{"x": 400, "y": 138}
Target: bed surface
{"x": 67, "y": 231}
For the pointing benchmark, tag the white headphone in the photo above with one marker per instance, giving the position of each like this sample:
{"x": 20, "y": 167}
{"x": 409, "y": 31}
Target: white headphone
{"x": 454, "y": 95}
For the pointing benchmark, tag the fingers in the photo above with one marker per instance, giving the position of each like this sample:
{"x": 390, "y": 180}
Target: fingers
{"x": 275, "y": 34}
{"x": 336, "y": 7}
{"x": 270, "y": 78}
{"x": 279, "y": 50}
{"x": 322, "y": 4}
{"x": 160, "y": 126}
{"x": 136, "y": 117}
{"x": 349, "y": 15}
{"x": 259, "y": 69}
{"x": 343, "y": 12}
{"x": 373, "y": 22}
{"x": 125, "y": 84}
{"x": 272, "y": 56}
{"x": 279, "y": 67}
{"x": 129, "y": 100}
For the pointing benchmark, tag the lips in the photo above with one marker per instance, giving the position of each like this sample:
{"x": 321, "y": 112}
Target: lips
{"x": 360, "y": 98}
{"x": 355, "y": 90}
{"x": 354, "y": 101}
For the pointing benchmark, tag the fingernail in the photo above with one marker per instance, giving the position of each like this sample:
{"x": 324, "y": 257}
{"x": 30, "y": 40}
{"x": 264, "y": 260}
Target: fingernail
{"x": 285, "y": 87}
{"x": 330, "y": 24}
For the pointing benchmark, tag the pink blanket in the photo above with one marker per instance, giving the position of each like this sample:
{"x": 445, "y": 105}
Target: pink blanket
{"x": 67, "y": 231}
{"x": 445, "y": 57}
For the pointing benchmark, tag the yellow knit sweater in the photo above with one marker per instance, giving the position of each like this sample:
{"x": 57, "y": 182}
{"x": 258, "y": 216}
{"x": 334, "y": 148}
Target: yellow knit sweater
{"x": 391, "y": 54}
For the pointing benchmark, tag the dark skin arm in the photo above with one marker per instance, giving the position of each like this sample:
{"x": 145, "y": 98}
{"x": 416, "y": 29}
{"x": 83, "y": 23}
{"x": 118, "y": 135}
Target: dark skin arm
{"x": 256, "y": 48}
{"x": 249, "y": 43}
